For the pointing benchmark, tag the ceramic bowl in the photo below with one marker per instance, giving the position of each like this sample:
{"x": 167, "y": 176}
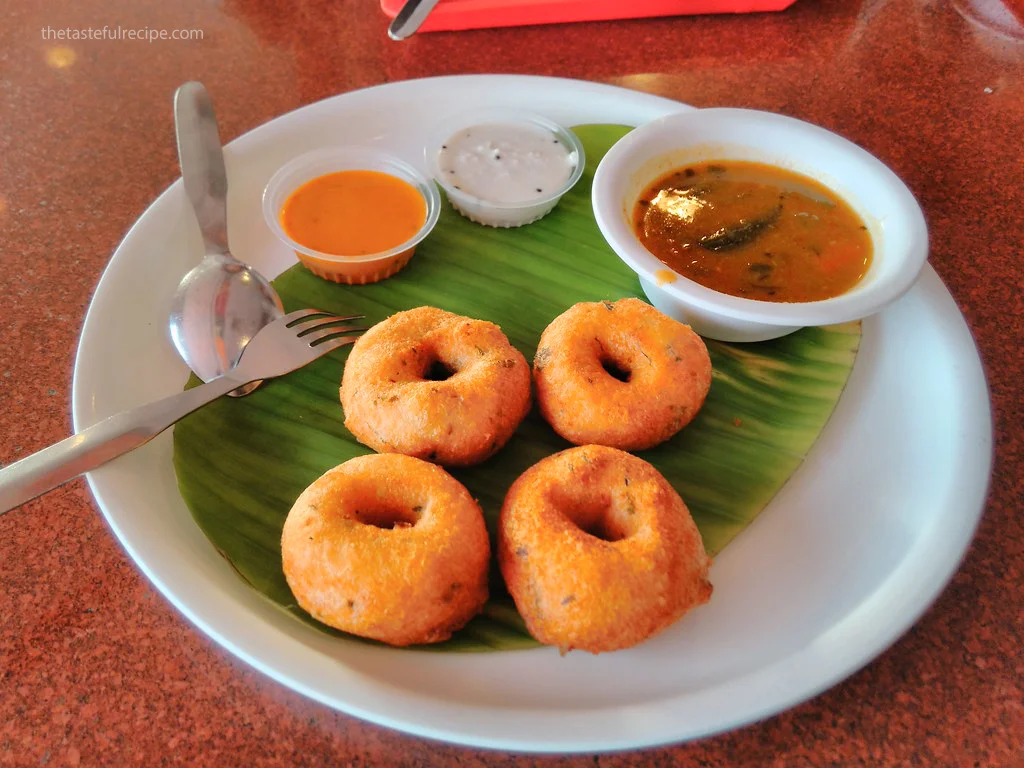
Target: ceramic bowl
{"x": 890, "y": 212}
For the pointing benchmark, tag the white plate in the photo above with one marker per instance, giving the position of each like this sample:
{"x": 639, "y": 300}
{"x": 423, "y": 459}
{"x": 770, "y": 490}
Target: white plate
{"x": 858, "y": 543}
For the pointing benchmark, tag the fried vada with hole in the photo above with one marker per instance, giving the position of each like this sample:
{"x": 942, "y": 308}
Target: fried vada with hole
{"x": 598, "y": 551}
{"x": 435, "y": 385}
{"x": 620, "y": 374}
{"x": 388, "y": 547}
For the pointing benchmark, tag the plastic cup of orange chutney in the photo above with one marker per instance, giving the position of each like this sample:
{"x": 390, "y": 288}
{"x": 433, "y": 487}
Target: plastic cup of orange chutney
{"x": 352, "y": 215}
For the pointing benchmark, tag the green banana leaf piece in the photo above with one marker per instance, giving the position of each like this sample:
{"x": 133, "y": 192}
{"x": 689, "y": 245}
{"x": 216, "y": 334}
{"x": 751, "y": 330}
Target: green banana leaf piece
{"x": 767, "y": 405}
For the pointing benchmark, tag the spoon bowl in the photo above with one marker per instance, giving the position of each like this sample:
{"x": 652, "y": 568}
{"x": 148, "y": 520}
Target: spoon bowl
{"x": 222, "y": 303}
{"x": 219, "y": 306}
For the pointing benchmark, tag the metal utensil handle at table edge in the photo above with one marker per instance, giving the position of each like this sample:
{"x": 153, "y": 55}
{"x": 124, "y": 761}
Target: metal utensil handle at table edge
{"x": 201, "y": 157}
{"x": 106, "y": 440}
{"x": 409, "y": 18}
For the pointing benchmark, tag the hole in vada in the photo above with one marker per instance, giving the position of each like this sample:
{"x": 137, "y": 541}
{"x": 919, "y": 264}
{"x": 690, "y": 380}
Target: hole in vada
{"x": 603, "y": 526}
{"x": 388, "y": 518}
{"x": 438, "y": 371}
{"x": 595, "y": 514}
{"x": 616, "y": 371}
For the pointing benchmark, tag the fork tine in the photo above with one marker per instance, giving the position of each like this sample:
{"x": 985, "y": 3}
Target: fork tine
{"x": 331, "y": 344}
{"x": 300, "y": 314}
{"x": 332, "y": 325}
{"x": 327, "y": 333}
{"x": 303, "y": 315}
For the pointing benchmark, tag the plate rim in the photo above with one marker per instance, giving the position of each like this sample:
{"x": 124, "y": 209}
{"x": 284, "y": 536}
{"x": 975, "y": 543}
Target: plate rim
{"x": 868, "y": 651}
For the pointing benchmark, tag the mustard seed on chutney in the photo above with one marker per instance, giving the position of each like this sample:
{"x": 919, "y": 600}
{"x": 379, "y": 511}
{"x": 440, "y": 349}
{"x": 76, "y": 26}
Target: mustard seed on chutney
{"x": 754, "y": 231}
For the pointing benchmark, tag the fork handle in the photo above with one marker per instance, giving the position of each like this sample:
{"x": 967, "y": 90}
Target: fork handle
{"x": 25, "y": 479}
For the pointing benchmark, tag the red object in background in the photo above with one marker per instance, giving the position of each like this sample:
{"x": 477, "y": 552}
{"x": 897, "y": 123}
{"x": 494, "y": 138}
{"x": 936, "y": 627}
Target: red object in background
{"x": 477, "y": 14}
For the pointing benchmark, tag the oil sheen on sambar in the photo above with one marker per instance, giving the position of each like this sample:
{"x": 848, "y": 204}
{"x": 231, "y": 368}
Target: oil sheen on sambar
{"x": 754, "y": 230}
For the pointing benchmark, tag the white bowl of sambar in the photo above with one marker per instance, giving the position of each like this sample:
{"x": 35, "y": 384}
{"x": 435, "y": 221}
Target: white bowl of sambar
{"x": 749, "y": 225}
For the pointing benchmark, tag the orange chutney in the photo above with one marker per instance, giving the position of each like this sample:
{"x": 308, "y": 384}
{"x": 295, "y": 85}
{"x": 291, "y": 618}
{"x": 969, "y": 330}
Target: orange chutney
{"x": 353, "y": 213}
{"x": 754, "y": 230}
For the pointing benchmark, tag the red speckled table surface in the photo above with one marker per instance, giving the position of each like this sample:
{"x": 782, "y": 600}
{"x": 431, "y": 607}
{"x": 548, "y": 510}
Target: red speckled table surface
{"x": 97, "y": 668}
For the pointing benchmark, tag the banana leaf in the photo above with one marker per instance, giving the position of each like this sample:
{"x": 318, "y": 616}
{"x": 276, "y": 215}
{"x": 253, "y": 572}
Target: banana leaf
{"x": 768, "y": 401}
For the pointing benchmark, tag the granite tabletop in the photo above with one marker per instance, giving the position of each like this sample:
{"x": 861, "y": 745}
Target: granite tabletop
{"x": 96, "y": 667}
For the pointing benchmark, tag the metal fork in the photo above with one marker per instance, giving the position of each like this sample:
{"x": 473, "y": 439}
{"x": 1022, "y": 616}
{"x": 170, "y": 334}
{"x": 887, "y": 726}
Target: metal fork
{"x": 281, "y": 347}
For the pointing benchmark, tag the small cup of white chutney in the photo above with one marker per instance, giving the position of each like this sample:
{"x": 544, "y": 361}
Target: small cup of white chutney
{"x": 502, "y": 167}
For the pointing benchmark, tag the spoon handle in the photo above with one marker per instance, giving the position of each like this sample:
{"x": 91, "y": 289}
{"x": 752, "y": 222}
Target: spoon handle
{"x": 202, "y": 163}
{"x": 409, "y": 18}
{"x": 25, "y": 479}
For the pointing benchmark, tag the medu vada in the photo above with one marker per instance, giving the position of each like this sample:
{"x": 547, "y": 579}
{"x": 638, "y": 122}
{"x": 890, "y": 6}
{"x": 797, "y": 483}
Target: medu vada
{"x": 435, "y": 385}
{"x": 387, "y": 547}
{"x": 620, "y": 374}
{"x": 598, "y": 551}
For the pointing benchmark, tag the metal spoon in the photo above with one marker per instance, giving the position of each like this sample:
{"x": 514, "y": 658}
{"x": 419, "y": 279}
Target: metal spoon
{"x": 409, "y": 18}
{"x": 222, "y": 303}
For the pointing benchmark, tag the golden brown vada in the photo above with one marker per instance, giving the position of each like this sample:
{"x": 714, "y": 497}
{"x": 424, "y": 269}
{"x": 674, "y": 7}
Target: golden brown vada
{"x": 435, "y": 385}
{"x": 620, "y": 374}
{"x": 598, "y": 551}
{"x": 387, "y": 547}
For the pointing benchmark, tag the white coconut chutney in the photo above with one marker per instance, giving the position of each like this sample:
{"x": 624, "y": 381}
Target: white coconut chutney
{"x": 506, "y": 163}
